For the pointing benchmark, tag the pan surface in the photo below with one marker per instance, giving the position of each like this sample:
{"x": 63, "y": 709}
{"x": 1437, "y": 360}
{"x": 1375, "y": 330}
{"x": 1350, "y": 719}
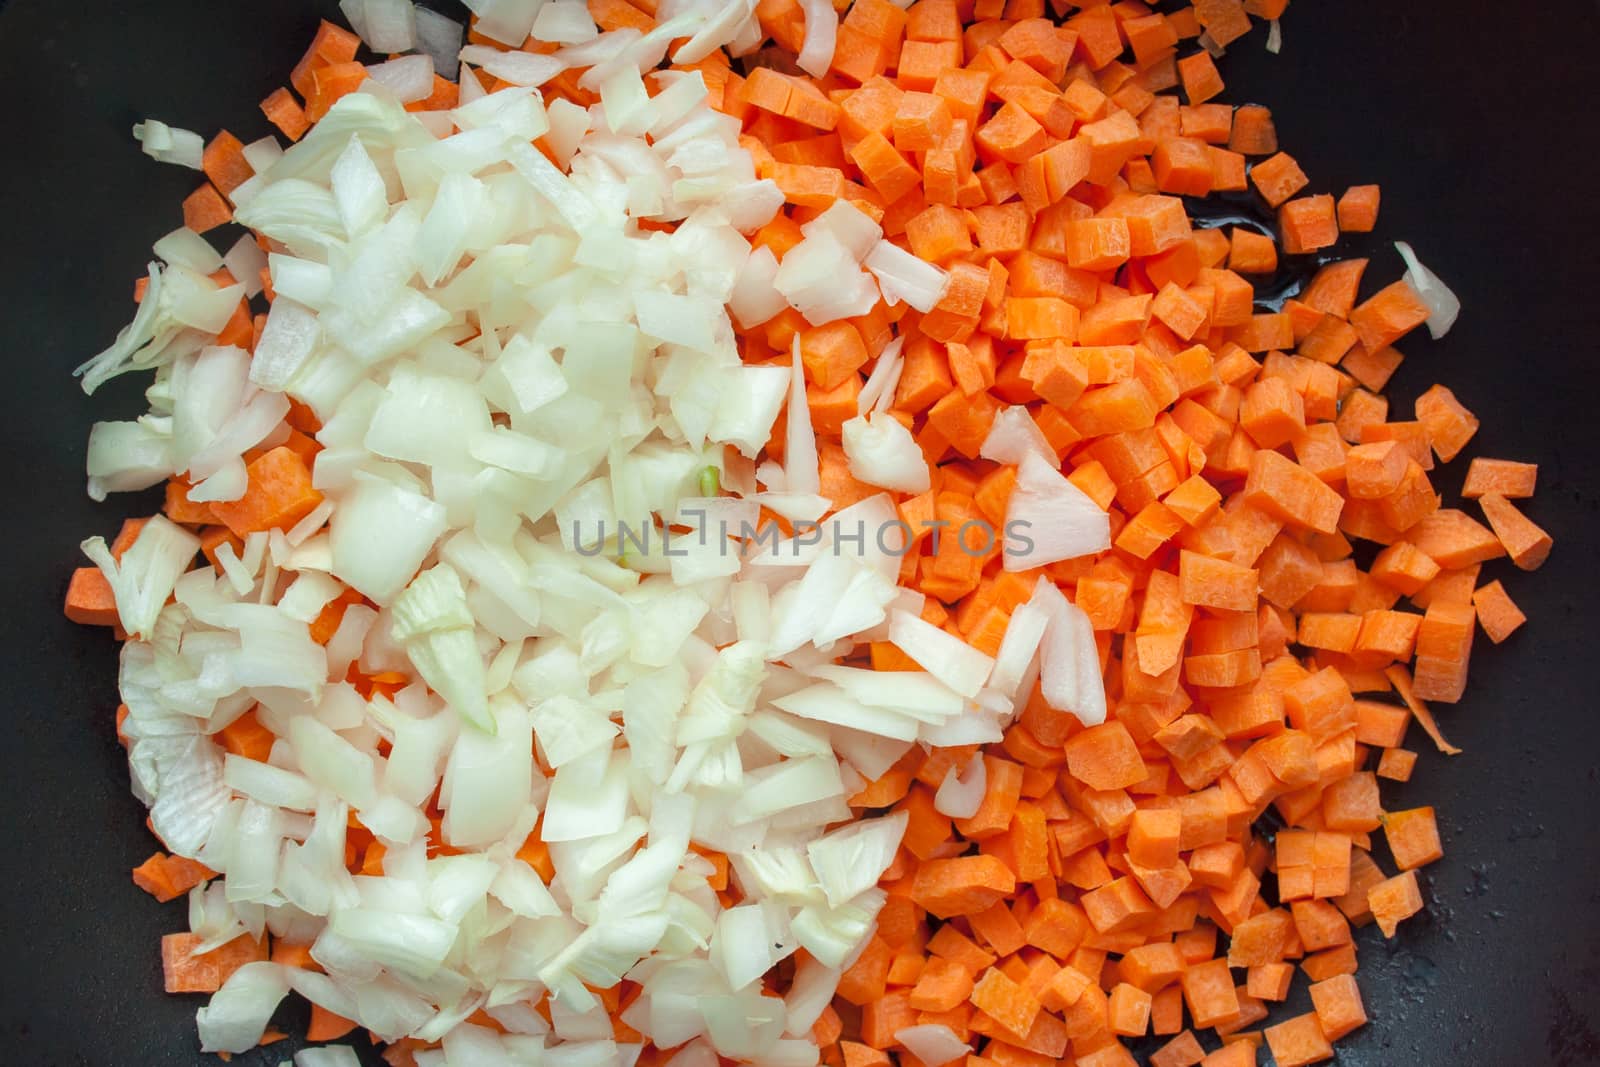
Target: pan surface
{"x": 1476, "y": 118}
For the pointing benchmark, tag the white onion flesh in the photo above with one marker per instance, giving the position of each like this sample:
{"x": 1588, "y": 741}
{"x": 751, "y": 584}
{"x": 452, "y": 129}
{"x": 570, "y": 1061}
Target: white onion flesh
{"x": 498, "y": 347}
{"x": 1443, "y": 304}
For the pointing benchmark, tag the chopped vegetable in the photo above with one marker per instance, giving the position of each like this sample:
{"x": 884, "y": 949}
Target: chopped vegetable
{"x": 653, "y": 544}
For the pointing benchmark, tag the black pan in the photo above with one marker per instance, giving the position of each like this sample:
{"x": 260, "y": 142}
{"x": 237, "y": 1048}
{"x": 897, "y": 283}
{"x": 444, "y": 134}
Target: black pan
{"x": 1478, "y": 120}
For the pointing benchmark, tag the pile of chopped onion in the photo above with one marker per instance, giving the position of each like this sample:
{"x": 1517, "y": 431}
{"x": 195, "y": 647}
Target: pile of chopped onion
{"x": 508, "y": 368}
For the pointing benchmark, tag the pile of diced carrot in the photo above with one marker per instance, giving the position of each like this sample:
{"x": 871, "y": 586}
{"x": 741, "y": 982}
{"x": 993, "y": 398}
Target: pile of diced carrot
{"x": 1125, "y": 879}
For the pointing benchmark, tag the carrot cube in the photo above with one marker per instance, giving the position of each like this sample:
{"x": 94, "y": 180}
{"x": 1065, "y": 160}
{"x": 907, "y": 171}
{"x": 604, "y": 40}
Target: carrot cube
{"x": 961, "y": 886}
{"x": 1396, "y": 764}
{"x": 1298, "y": 1041}
{"x": 1129, "y": 1010}
{"x": 1394, "y": 900}
{"x": 1270, "y": 981}
{"x": 1413, "y": 837}
{"x": 1525, "y": 541}
{"x": 1283, "y": 488}
{"x": 1338, "y": 1005}
{"x": 90, "y": 601}
{"x": 1252, "y": 253}
{"x": 205, "y": 209}
{"x": 1182, "y": 165}
{"x": 285, "y": 112}
{"x": 1373, "y": 471}
{"x": 1388, "y": 315}
{"x": 1498, "y": 614}
{"x": 224, "y": 163}
{"x": 1098, "y": 244}
{"x": 1209, "y": 991}
{"x": 939, "y": 233}
{"x": 1011, "y": 134}
{"x": 1005, "y": 1001}
{"x": 278, "y": 494}
{"x": 921, "y": 62}
{"x": 1184, "y": 1050}
{"x": 1308, "y": 224}
{"x": 1201, "y": 81}
{"x": 1278, "y": 178}
{"x": 1511, "y": 480}
{"x": 1448, "y": 424}
{"x": 1040, "y": 318}
{"x": 1358, "y": 209}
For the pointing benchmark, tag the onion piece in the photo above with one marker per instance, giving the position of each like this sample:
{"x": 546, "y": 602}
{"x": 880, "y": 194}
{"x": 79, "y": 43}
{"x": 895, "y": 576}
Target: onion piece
{"x": 882, "y": 452}
{"x": 1443, "y": 304}
{"x": 170, "y": 144}
{"x": 410, "y": 78}
{"x": 439, "y": 37}
{"x": 1013, "y": 435}
{"x": 237, "y": 1015}
{"x": 288, "y": 340}
{"x": 949, "y": 659}
{"x": 327, "y": 1056}
{"x": 1024, "y": 633}
{"x": 885, "y": 373}
{"x": 185, "y": 248}
{"x": 849, "y": 861}
{"x": 145, "y": 576}
{"x": 800, "y": 454}
{"x": 932, "y": 1043}
{"x": 961, "y": 793}
{"x": 821, "y": 31}
{"x": 1049, "y": 519}
{"x": 518, "y": 68}
{"x": 386, "y": 26}
{"x": 903, "y": 276}
{"x": 1070, "y": 678}
{"x": 564, "y": 22}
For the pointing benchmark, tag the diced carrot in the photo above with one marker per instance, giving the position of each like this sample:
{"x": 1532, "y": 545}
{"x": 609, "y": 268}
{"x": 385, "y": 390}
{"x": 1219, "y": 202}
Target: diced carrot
{"x": 1388, "y": 315}
{"x": 1278, "y": 178}
{"x": 169, "y": 877}
{"x": 1252, "y": 253}
{"x": 330, "y": 84}
{"x": 1182, "y": 1051}
{"x": 224, "y": 163}
{"x": 1358, "y": 209}
{"x": 1396, "y": 764}
{"x": 90, "y": 600}
{"x": 1510, "y": 479}
{"x": 285, "y": 112}
{"x": 1299, "y": 1041}
{"x": 205, "y": 209}
{"x": 1003, "y": 1000}
{"x": 1498, "y": 614}
{"x": 1413, "y": 837}
{"x": 1525, "y": 542}
{"x": 1253, "y": 131}
{"x": 186, "y": 972}
{"x": 279, "y": 494}
{"x": 961, "y": 886}
{"x": 1209, "y": 992}
{"x": 1241, "y": 453}
{"x": 1308, "y": 224}
{"x": 1394, "y": 900}
{"x": 326, "y": 1026}
{"x": 1448, "y": 424}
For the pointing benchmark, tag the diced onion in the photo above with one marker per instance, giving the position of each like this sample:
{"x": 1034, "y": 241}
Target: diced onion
{"x": 1443, "y": 304}
{"x": 962, "y": 790}
{"x": 1049, "y": 519}
{"x": 822, "y": 28}
{"x": 527, "y": 521}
